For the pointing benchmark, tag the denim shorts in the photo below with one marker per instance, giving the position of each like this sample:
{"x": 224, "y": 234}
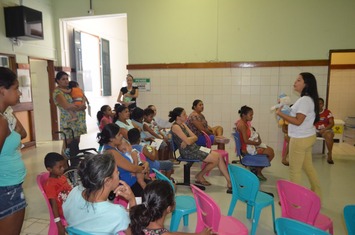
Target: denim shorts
{"x": 12, "y": 199}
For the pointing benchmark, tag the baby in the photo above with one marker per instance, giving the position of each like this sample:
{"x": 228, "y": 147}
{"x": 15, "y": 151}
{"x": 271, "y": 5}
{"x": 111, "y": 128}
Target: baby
{"x": 77, "y": 95}
{"x": 252, "y": 149}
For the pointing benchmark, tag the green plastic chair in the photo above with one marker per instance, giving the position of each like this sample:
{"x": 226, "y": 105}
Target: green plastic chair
{"x": 184, "y": 205}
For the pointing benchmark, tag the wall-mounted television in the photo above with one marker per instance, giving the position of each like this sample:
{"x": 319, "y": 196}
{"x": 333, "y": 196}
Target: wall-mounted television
{"x": 23, "y": 23}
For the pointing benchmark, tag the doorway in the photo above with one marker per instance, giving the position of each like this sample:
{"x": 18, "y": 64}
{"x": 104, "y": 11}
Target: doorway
{"x": 42, "y": 85}
{"x": 341, "y": 86}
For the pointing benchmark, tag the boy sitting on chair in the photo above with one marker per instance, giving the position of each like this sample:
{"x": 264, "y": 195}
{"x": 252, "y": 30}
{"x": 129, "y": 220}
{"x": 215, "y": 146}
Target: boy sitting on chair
{"x": 57, "y": 187}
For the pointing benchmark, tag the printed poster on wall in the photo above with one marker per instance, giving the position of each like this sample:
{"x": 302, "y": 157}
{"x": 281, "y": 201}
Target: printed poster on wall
{"x": 143, "y": 84}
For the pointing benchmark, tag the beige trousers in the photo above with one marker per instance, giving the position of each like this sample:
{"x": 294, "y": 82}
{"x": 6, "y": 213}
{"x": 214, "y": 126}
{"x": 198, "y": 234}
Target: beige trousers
{"x": 300, "y": 157}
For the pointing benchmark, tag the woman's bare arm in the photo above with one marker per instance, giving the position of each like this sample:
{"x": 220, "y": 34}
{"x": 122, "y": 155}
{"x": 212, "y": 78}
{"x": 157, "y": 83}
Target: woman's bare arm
{"x": 298, "y": 120}
{"x": 187, "y": 140}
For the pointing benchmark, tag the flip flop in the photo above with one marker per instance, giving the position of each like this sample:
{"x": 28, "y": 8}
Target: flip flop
{"x": 204, "y": 183}
{"x": 330, "y": 161}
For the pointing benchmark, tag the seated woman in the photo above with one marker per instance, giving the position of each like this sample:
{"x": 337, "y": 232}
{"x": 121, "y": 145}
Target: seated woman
{"x": 130, "y": 172}
{"x": 244, "y": 128}
{"x": 185, "y": 139}
{"x": 197, "y": 123}
{"x": 122, "y": 119}
{"x": 87, "y": 208}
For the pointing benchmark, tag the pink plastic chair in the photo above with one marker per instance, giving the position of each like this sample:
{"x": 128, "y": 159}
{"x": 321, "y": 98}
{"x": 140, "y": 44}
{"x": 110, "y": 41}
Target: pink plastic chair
{"x": 41, "y": 180}
{"x": 300, "y": 203}
{"x": 224, "y": 153}
{"x": 209, "y": 216}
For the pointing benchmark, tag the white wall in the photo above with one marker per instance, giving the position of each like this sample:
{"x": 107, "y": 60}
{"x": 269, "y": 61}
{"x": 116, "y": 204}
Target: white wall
{"x": 40, "y": 96}
{"x": 224, "y": 91}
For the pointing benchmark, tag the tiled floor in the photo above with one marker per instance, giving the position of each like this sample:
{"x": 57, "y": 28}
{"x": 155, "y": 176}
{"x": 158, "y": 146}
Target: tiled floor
{"x": 335, "y": 181}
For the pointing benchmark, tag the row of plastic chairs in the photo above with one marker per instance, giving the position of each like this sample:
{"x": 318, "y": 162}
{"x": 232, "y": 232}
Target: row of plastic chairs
{"x": 299, "y": 206}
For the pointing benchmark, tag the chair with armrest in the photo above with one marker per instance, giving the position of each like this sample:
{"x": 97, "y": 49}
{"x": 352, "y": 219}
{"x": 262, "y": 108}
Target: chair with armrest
{"x": 245, "y": 187}
{"x": 285, "y": 226}
{"x": 300, "y": 203}
{"x": 209, "y": 216}
{"x": 349, "y": 216}
{"x": 41, "y": 180}
{"x": 184, "y": 206}
{"x": 224, "y": 153}
{"x": 74, "y": 231}
{"x": 187, "y": 165}
{"x": 247, "y": 160}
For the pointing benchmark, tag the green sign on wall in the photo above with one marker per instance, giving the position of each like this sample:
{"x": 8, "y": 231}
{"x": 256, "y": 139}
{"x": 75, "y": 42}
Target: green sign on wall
{"x": 143, "y": 84}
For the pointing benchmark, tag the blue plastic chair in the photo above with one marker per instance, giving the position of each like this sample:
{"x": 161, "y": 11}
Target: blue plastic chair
{"x": 184, "y": 206}
{"x": 349, "y": 216}
{"x": 285, "y": 226}
{"x": 74, "y": 231}
{"x": 245, "y": 187}
{"x": 258, "y": 160}
{"x": 187, "y": 165}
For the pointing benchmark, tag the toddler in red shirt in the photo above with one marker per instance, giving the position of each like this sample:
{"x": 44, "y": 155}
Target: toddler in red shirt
{"x": 57, "y": 187}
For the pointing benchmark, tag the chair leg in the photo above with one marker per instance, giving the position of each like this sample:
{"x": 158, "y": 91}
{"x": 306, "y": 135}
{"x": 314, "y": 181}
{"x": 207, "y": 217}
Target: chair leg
{"x": 255, "y": 221}
{"x": 175, "y": 221}
{"x": 186, "y": 220}
{"x": 249, "y": 211}
{"x": 273, "y": 215}
{"x": 232, "y": 206}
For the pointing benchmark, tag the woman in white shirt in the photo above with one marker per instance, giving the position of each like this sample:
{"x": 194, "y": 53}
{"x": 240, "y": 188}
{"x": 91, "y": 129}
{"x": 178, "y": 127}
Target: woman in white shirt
{"x": 304, "y": 113}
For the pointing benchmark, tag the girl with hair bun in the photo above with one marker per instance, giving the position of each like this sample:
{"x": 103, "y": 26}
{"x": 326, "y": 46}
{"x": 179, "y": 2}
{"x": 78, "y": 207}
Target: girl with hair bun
{"x": 185, "y": 139}
{"x": 158, "y": 201}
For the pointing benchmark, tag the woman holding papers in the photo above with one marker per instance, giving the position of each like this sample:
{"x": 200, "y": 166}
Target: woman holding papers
{"x": 185, "y": 139}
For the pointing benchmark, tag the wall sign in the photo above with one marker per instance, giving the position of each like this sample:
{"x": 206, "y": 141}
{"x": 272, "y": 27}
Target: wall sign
{"x": 143, "y": 84}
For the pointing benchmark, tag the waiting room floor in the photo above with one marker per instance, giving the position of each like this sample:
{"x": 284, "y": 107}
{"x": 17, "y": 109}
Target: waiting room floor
{"x": 337, "y": 188}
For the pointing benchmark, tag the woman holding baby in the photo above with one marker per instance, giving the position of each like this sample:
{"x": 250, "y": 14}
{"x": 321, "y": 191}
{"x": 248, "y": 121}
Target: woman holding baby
{"x": 64, "y": 102}
{"x": 249, "y": 138}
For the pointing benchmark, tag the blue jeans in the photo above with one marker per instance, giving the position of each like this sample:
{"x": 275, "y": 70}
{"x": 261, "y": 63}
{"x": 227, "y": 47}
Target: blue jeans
{"x": 12, "y": 199}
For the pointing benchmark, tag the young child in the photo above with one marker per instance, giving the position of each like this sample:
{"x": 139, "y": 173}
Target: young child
{"x": 126, "y": 149}
{"x": 158, "y": 201}
{"x": 252, "y": 149}
{"x": 104, "y": 116}
{"x": 153, "y": 130}
{"x": 57, "y": 187}
{"x": 77, "y": 95}
{"x": 150, "y": 153}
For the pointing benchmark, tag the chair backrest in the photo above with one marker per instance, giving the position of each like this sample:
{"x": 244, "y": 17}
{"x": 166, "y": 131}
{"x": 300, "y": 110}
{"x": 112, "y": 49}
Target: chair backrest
{"x": 245, "y": 184}
{"x": 238, "y": 146}
{"x": 298, "y": 202}
{"x": 160, "y": 176}
{"x": 208, "y": 212}
{"x": 74, "y": 231}
{"x": 41, "y": 180}
{"x": 349, "y": 216}
{"x": 285, "y": 226}
{"x": 208, "y": 139}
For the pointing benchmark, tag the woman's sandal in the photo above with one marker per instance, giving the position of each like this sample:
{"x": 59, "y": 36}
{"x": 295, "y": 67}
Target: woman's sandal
{"x": 203, "y": 182}
{"x": 286, "y": 163}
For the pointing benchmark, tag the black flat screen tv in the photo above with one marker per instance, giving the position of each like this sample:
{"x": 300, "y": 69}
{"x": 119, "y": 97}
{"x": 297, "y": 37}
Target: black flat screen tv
{"x": 23, "y": 23}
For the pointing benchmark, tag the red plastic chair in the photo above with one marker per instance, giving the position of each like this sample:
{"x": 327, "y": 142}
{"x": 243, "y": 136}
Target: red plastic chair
{"x": 224, "y": 153}
{"x": 41, "y": 180}
{"x": 300, "y": 203}
{"x": 209, "y": 216}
